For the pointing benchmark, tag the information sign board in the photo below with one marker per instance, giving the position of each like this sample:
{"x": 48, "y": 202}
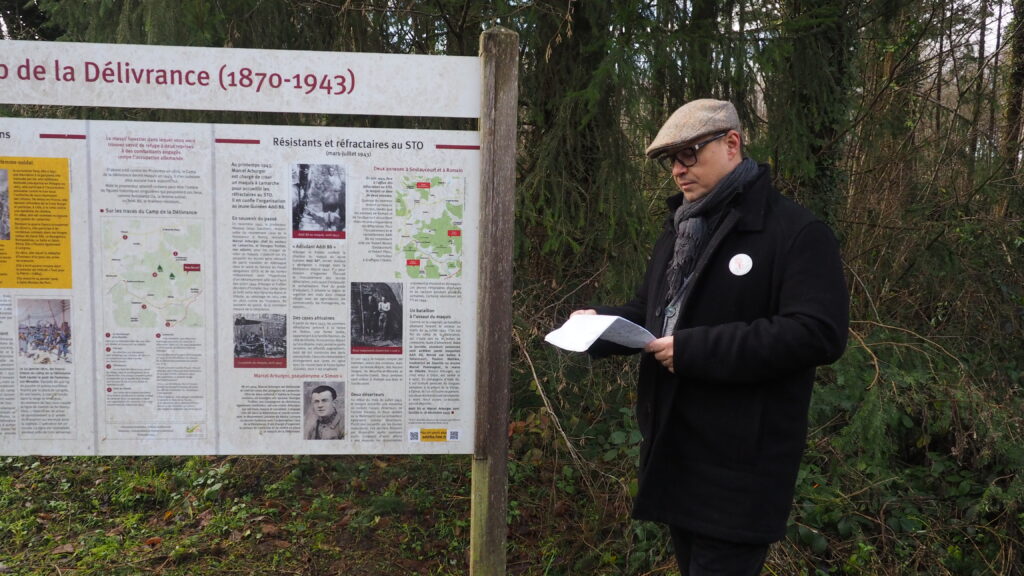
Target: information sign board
{"x": 172, "y": 288}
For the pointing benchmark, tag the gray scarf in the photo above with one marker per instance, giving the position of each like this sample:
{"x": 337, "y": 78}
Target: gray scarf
{"x": 694, "y": 222}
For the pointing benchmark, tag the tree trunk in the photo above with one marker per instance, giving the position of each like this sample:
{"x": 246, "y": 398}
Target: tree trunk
{"x": 807, "y": 106}
{"x": 1014, "y": 106}
{"x": 979, "y": 88}
{"x": 702, "y": 32}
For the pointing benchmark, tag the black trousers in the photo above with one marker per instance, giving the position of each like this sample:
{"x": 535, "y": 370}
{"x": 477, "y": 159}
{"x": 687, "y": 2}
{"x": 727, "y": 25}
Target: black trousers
{"x": 703, "y": 556}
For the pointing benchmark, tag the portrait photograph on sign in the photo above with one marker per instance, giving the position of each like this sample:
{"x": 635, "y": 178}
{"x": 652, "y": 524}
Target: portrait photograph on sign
{"x": 318, "y": 201}
{"x": 325, "y": 410}
{"x": 376, "y": 315}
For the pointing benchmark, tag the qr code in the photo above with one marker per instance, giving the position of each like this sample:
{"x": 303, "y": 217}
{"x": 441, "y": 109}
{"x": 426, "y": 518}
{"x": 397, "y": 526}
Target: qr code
{"x": 414, "y": 436}
{"x": 453, "y": 435}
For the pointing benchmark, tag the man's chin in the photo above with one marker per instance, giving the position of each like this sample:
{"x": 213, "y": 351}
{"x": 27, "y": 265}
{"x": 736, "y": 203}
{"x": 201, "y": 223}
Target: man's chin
{"x": 693, "y": 194}
{"x": 691, "y": 191}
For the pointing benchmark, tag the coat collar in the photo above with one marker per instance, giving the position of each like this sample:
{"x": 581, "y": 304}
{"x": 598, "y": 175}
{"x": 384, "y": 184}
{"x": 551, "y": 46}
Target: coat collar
{"x": 333, "y": 422}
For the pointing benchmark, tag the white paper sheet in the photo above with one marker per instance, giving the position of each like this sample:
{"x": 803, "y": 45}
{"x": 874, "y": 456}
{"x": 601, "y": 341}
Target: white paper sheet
{"x": 579, "y": 332}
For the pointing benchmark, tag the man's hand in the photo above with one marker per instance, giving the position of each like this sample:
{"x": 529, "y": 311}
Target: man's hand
{"x": 663, "y": 348}
{"x": 579, "y": 312}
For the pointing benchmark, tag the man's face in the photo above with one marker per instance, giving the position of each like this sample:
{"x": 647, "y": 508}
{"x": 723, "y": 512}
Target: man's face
{"x": 714, "y": 162}
{"x": 323, "y": 403}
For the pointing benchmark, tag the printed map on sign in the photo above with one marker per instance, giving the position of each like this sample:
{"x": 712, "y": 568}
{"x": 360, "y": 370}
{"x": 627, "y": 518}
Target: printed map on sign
{"x": 429, "y": 220}
{"x": 152, "y": 274}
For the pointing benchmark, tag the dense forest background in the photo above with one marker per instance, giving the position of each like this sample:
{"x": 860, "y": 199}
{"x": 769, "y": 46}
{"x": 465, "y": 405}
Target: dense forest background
{"x": 897, "y": 121}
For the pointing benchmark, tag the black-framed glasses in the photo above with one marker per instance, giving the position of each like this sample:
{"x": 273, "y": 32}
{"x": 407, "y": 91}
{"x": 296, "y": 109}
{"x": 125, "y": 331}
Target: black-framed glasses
{"x": 686, "y": 156}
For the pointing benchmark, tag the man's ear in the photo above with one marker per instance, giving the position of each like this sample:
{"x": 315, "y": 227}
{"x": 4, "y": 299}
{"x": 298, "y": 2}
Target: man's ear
{"x": 735, "y": 143}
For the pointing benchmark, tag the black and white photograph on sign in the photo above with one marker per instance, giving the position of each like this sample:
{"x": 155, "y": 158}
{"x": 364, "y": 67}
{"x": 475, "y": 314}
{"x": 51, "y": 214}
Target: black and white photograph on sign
{"x": 5, "y": 211}
{"x": 325, "y": 410}
{"x": 318, "y": 200}
{"x": 376, "y": 315}
{"x": 44, "y": 331}
{"x": 261, "y": 340}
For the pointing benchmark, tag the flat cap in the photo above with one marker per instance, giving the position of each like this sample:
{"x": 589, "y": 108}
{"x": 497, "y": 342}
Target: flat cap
{"x": 691, "y": 121}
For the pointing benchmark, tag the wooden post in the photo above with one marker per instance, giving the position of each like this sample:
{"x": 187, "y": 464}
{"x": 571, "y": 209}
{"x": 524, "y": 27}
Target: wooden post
{"x": 499, "y": 55}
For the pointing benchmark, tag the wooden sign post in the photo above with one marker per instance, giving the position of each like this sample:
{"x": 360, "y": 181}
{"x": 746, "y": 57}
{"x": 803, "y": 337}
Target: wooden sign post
{"x": 499, "y": 51}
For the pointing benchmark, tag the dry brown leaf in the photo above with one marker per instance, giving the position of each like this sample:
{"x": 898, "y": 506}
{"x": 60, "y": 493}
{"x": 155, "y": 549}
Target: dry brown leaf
{"x": 65, "y": 549}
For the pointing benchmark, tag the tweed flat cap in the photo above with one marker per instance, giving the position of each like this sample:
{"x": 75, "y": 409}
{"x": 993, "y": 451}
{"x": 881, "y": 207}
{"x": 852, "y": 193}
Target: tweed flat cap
{"x": 693, "y": 120}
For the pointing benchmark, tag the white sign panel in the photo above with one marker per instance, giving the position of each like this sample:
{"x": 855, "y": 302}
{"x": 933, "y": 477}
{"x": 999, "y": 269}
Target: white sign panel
{"x": 196, "y": 288}
{"x": 179, "y": 77}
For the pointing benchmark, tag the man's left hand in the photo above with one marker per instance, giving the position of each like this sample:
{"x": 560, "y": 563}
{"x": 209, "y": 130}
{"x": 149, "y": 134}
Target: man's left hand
{"x": 663, "y": 349}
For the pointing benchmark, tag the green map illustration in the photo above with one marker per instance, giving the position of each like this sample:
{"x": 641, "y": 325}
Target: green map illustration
{"x": 429, "y": 213}
{"x": 153, "y": 272}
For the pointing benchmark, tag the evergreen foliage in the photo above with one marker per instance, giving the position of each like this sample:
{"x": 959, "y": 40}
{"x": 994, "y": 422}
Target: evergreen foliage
{"x": 897, "y": 122}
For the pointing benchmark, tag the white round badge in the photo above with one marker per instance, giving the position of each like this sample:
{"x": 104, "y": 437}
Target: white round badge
{"x": 740, "y": 264}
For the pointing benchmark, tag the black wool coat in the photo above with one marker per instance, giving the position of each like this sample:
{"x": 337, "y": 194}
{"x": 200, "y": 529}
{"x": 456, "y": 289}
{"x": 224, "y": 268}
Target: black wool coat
{"x": 766, "y": 304}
